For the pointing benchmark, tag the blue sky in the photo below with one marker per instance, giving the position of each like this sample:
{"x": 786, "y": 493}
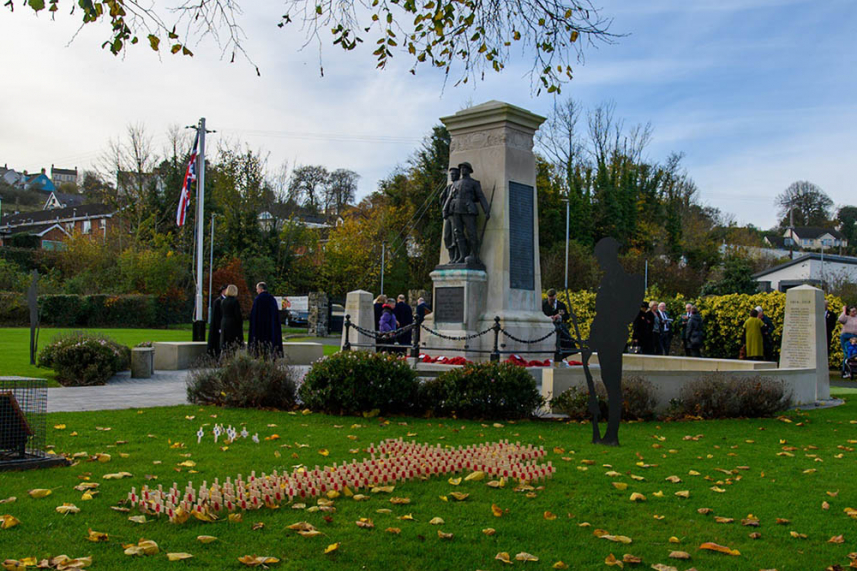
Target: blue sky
{"x": 756, "y": 93}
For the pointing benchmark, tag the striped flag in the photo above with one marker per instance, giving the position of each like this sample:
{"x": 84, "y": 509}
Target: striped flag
{"x": 189, "y": 178}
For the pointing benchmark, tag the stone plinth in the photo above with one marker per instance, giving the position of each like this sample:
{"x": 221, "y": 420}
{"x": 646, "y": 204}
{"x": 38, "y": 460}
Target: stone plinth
{"x": 318, "y": 314}
{"x": 142, "y": 362}
{"x": 804, "y": 344}
{"x": 497, "y": 140}
{"x": 459, "y": 303}
{"x": 303, "y": 353}
{"x": 178, "y": 355}
{"x": 359, "y": 306}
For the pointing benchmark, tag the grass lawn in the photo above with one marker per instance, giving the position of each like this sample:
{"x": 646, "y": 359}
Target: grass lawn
{"x": 15, "y": 346}
{"x": 769, "y": 468}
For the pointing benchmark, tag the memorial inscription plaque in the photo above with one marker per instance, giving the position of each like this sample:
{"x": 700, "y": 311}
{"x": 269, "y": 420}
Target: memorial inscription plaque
{"x": 449, "y": 304}
{"x": 798, "y": 350}
{"x": 521, "y": 237}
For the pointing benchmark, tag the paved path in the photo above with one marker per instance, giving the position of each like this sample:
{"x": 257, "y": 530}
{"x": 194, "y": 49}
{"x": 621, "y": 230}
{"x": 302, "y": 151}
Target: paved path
{"x": 165, "y": 388}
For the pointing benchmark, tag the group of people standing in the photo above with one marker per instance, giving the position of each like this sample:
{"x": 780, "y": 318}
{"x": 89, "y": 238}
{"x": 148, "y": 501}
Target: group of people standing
{"x": 653, "y": 330}
{"x": 390, "y": 316}
{"x": 226, "y": 328}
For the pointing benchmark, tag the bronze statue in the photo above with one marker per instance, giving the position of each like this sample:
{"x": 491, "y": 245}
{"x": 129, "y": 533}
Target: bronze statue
{"x": 619, "y": 295}
{"x": 448, "y": 234}
{"x": 461, "y": 203}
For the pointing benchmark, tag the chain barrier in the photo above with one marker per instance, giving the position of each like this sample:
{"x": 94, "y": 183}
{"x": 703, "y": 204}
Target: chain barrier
{"x": 524, "y": 341}
{"x": 386, "y": 335}
{"x": 454, "y": 338}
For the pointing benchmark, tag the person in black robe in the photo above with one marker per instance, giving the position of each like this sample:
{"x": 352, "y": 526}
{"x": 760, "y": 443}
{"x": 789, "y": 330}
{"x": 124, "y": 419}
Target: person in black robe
{"x": 405, "y": 316}
{"x": 214, "y": 325}
{"x": 266, "y": 332}
{"x": 232, "y": 321}
{"x": 642, "y": 332}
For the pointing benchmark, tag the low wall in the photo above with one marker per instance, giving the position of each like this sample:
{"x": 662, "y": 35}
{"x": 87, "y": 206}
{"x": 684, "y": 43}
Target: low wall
{"x": 668, "y": 384}
{"x": 632, "y": 362}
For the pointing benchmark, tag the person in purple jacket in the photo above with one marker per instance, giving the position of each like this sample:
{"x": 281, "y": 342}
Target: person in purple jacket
{"x": 387, "y": 323}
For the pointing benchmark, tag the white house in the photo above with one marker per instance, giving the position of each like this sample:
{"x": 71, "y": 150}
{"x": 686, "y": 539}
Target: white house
{"x": 813, "y": 238}
{"x": 813, "y": 269}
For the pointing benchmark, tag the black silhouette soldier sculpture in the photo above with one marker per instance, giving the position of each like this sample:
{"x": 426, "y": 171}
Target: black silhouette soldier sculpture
{"x": 448, "y": 232}
{"x": 619, "y": 295}
{"x": 460, "y": 207}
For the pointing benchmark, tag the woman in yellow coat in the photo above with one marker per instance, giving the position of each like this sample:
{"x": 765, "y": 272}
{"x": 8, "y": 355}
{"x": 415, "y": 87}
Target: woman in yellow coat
{"x": 753, "y": 340}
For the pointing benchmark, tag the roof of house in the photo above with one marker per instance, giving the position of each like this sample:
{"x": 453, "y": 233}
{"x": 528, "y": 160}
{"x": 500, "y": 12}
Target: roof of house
{"x": 57, "y": 214}
{"x": 776, "y": 241}
{"x": 67, "y": 199}
{"x": 70, "y": 172}
{"x": 35, "y": 230}
{"x": 815, "y": 232}
{"x": 39, "y": 181}
{"x": 806, "y": 257}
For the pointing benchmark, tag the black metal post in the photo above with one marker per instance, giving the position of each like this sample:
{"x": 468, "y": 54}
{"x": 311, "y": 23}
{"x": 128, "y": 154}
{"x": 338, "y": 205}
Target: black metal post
{"x": 415, "y": 346}
{"x": 347, "y": 325}
{"x": 495, "y": 355}
{"x": 557, "y": 353}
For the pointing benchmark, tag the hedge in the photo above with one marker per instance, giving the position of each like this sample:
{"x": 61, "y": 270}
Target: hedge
{"x": 722, "y": 315}
{"x": 131, "y": 311}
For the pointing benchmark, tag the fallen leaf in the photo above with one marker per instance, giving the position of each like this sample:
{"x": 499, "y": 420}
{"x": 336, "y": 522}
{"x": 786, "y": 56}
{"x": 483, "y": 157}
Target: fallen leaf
{"x": 620, "y": 485}
{"x": 255, "y": 561}
{"x": 236, "y": 518}
{"x": 393, "y": 530}
{"x": 720, "y": 519}
{"x": 436, "y": 521}
{"x": 442, "y": 535}
{"x": 331, "y": 548}
{"x": 257, "y": 526}
{"x": 143, "y": 547}
{"x": 797, "y": 535}
{"x": 524, "y": 556}
{"x": 96, "y": 536}
{"x": 704, "y": 511}
{"x": 719, "y": 548}
{"x": 559, "y": 565}
{"x": 39, "y": 493}
{"x": 475, "y": 476}
{"x": 674, "y": 539}
{"x": 68, "y": 509}
{"x": 9, "y": 500}
{"x": 628, "y": 558}
{"x": 137, "y": 519}
{"x": 496, "y": 510}
{"x": 683, "y": 494}
{"x": 679, "y": 555}
{"x": 504, "y": 557}
{"x": 611, "y": 561}
{"x": 459, "y": 496}
{"x": 365, "y": 523}
{"x": 755, "y": 535}
{"x": 205, "y": 538}
{"x": 489, "y": 531}
{"x": 617, "y": 538}
{"x": 178, "y": 556}
{"x": 117, "y": 476}
{"x": 549, "y": 516}
{"x": 662, "y": 567}
{"x": 400, "y": 501}
{"x": 638, "y": 497}
{"x": 7, "y": 521}
{"x": 836, "y": 539}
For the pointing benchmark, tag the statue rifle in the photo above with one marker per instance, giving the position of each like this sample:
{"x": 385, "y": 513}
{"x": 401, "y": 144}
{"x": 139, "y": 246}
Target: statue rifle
{"x": 487, "y": 216}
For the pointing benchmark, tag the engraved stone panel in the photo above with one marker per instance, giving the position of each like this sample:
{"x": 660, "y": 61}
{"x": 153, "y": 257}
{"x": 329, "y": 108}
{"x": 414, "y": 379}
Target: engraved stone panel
{"x": 449, "y": 304}
{"x": 521, "y": 237}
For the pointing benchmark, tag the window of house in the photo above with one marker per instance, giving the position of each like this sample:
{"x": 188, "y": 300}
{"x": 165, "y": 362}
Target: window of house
{"x": 87, "y": 226}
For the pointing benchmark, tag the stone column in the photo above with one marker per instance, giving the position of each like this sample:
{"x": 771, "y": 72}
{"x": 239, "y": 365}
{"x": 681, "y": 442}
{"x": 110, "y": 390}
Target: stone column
{"x": 317, "y": 320}
{"x": 358, "y": 304}
{"x": 497, "y": 140}
{"x": 804, "y": 344}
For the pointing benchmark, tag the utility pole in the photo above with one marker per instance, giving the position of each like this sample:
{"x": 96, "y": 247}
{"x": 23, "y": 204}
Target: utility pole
{"x": 210, "y": 267}
{"x": 383, "y": 255}
{"x": 198, "y": 321}
{"x": 566, "y": 241}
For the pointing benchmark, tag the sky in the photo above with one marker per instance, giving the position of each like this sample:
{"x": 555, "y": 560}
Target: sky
{"x": 756, "y": 93}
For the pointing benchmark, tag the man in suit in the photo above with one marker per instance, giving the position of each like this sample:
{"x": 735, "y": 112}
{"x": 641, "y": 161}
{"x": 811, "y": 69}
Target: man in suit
{"x": 214, "y": 327}
{"x": 558, "y": 312}
{"x": 448, "y": 234}
{"x": 404, "y": 316}
{"x": 266, "y": 332}
{"x": 685, "y": 318}
{"x": 423, "y": 308}
{"x": 461, "y": 204}
{"x": 666, "y": 328}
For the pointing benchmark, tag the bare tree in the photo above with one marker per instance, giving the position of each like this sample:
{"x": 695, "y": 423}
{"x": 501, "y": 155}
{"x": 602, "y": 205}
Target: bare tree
{"x": 806, "y": 203}
{"x": 306, "y": 186}
{"x": 560, "y": 139}
{"x": 340, "y": 191}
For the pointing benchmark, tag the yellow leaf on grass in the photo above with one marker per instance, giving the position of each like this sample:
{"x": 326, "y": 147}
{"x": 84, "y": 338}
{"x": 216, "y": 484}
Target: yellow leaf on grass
{"x": 117, "y": 476}
{"x": 501, "y": 483}
{"x": 673, "y": 479}
{"x": 504, "y": 557}
{"x": 524, "y": 556}
{"x": 797, "y": 535}
{"x": 628, "y": 558}
{"x": 39, "y": 493}
{"x": 836, "y": 539}
{"x": 393, "y": 530}
{"x": 679, "y": 555}
{"x": 720, "y": 519}
{"x": 454, "y": 481}
{"x": 549, "y": 516}
{"x": 310, "y": 533}
{"x": 96, "y": 536}
{"x": 719, "y": 548}
{"x": 236, "y": 518}
{"x": 476, "y": 476}
{"x": 638, "y": 497}
{"x": 68, "y": 509}
{"x": 187, "y": 464}
{"x": 9, "y": 500}
{"x": 324, "y": 452}
{"x": 331, "y": 548}
{"x": 256, "y": 560}
{"x": 406, "y": 517}
{"x": 620, "y": 485}
{"x": 559, "y": 565}
{"x": 674, "y": 539}
{"x": 489, "y": 531}
{"x": 59, "y": 426}
{"x": 436, "y": 521}
{"x": 611, "y": 561}
{"x": 400, "y": 501}
{"x": 137, "y": 519}
{"x": 617, "y": 538}
{"x": 662, "y": 567}
{"x": 658, "y": 494}
{"x": 365, "y": 523}
{"x": 459, "y": 496}
{"x": 496, "y": 510}
{"x": 7, "y": 521}
{"x": 442, "y": 535}
{"x": 205, "y": 538}
{"x": 178, "y": 556}
{"x": 683, "y": 494}
{"x": 143, "y": 547}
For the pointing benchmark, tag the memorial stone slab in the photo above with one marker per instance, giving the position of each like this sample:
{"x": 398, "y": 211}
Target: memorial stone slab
{"x": 804, "y": 344}
{"x": 358, "y": 305}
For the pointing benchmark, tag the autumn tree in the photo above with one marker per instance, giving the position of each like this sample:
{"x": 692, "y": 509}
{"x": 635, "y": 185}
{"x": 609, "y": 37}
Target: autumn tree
{"x": 340, "y": 191}
{"x": 463, "y": 38}
{"x": 307, "y": 186}
{"x": 804, "y": 203}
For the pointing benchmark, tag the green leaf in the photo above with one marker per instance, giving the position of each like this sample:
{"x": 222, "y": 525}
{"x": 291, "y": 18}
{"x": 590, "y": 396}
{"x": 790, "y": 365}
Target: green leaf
{"x": 176, "y": 48}
{"x": 186, "y": 51}
{"x": 154, "y": 41}
{"x": 36, "y": 5}
{"x": 318, "y": 9}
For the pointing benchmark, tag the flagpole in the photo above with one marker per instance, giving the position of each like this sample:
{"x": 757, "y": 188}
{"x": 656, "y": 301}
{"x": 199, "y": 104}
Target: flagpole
{"x": 199, "y": 323}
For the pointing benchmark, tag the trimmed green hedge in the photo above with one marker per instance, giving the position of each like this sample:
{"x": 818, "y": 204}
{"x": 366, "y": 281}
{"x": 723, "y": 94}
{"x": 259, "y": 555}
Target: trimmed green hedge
{"x": 132, "y": 311}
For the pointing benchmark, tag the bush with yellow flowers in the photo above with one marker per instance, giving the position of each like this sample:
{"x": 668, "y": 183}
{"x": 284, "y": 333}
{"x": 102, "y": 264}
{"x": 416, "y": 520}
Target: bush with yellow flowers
{"x": 723, "y": 319}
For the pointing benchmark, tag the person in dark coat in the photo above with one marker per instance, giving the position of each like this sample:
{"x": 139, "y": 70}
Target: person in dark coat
{"x": 695, "y": 333}
{"x": 642, "y": 331}
{"x": 830, "y": 321}
{"x": 232, "y": 322}
{"x": 379, "y": 307}
{"x": 423, "y": 308}
{"x": 404, "y": 316}
{"x": 266, "y": 332}
{"x": 214, "y": 325}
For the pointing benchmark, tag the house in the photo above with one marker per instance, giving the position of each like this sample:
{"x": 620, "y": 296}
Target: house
{"x": 63, "y": 176}
{"x": 60, "y": 200}
{"x": 813, "y": 268}
{"x": 51, "y": 227}
{"x": 813, "y": 238}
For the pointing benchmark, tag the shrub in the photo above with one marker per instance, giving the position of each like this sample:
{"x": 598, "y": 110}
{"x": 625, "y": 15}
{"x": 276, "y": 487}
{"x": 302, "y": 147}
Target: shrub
{"x": 719, "y": 396}
{"x": 638, "y": 401}
{"x": 243, "y": 380}
{"x": 484, "y": 391}
{"x": 353, "y": 382}
{"x": 84, "y": 359}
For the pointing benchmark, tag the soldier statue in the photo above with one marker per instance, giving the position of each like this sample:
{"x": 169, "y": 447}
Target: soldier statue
{"x": 461, "y": 203}
{"x": 448, "y": 234}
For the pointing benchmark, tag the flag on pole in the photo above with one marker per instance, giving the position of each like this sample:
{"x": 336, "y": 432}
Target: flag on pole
{"x": 189, "y": 178}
